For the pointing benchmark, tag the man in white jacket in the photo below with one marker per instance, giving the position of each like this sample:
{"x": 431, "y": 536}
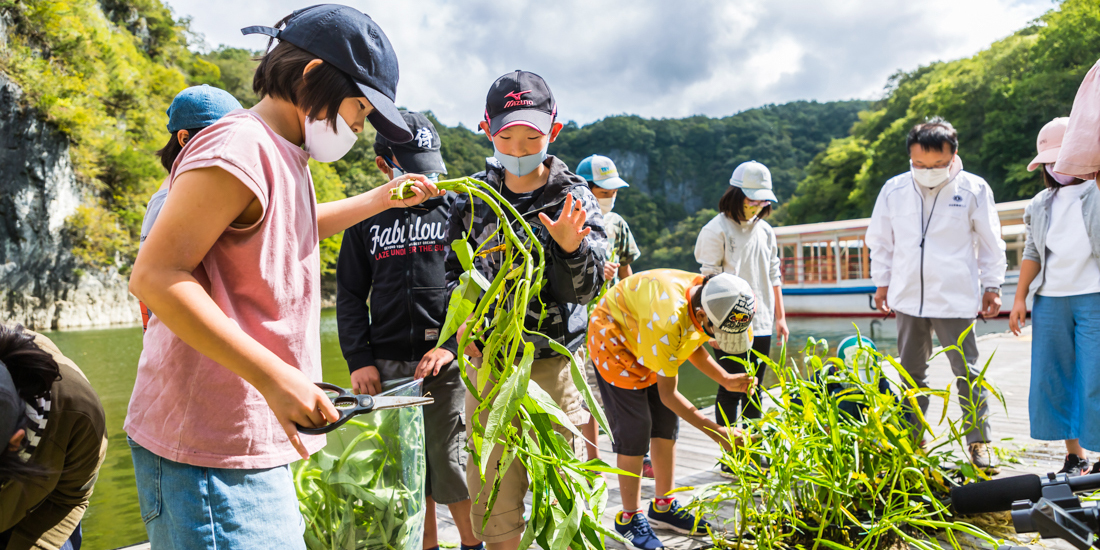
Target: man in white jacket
{"x": 938, "y": 260}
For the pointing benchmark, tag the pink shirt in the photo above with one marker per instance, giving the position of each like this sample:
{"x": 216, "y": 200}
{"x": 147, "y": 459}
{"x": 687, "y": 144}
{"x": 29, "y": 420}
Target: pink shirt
{"x": 189, "y": 409}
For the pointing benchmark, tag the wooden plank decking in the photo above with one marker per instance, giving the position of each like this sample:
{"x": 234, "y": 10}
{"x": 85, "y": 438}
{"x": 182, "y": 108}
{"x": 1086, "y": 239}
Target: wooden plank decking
{"x": 1010, "y": 371}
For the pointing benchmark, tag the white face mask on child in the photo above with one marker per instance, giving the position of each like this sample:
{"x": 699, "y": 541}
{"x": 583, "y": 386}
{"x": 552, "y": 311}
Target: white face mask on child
{"x": 606, "y": 204}
{"x": 323, "y": 144}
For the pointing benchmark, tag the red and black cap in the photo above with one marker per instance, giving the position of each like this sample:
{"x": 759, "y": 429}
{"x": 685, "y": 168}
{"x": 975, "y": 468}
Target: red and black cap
{"x": 352, "y": 42}
{"x": 520, "y": 97}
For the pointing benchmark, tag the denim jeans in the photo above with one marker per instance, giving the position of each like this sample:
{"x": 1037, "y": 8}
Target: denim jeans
{"x": 1064, "y": 401}
{"x": 190, "y": 507}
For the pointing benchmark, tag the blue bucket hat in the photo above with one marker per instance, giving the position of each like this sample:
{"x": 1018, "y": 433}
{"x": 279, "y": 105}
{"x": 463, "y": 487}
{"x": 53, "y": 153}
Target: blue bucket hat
{"x": 199, "y": 107}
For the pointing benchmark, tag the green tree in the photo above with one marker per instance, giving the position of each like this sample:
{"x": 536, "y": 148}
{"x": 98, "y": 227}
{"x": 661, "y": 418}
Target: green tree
{"x": 236, "y": 68}
{"x": 997, "y": 99}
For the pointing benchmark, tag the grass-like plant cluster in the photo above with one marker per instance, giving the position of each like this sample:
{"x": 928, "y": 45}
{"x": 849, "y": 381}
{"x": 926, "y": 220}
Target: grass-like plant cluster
{"x": 569, "y": 496}
{"x": 836, "y": 461}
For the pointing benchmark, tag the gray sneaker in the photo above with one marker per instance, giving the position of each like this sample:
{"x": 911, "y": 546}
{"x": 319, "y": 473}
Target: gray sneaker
{"x": 981, "y": 455}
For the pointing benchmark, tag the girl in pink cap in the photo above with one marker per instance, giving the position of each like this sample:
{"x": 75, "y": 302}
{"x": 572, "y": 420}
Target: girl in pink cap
{"x": 1060, "y": 269}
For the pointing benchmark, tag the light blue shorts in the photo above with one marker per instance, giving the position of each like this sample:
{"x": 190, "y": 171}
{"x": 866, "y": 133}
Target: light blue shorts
{"x": 1065, "y": 369}
{"x": 190, "y": 507}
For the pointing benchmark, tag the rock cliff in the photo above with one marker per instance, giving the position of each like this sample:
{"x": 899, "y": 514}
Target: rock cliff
{"x": 41, "y": 283}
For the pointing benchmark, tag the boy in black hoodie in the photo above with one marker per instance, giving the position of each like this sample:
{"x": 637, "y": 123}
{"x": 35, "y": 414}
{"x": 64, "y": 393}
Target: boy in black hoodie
{"x": 520, "y": 120}
{"x": 396, "y": 261}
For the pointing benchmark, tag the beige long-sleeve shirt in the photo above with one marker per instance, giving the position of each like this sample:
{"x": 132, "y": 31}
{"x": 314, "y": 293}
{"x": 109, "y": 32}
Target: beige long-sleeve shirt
{"x": 748, "y": 250}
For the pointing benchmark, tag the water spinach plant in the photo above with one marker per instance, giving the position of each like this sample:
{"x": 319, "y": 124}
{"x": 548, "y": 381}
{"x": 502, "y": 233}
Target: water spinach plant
{"x": 569, "y": 495}
{"x": 365, "y": 489}
{"x": 837, "y": 462}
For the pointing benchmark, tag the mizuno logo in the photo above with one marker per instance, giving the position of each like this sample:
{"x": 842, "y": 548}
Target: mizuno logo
{"x": 516, "y": 100}
{"x": 518, "y": 96}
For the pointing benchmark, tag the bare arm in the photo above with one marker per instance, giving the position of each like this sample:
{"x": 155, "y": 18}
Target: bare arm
{"x": 336, "y": 216}
{"x": 708, "y": 366}
{"x": 625, "y": 271}
{"x": 202, "y": 204}
{"x": 674, "y": 400}
{"x": 781, "y": 329}
{"x": 1029, "y": 269}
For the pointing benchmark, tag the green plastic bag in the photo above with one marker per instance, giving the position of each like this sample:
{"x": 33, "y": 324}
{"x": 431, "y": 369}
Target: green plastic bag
{"x": 365, "y": 489}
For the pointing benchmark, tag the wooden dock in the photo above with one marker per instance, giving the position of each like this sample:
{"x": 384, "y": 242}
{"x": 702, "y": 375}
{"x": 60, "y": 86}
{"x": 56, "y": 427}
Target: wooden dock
{"x": 1011, "y": 369}
{"x": 696, "y": 453}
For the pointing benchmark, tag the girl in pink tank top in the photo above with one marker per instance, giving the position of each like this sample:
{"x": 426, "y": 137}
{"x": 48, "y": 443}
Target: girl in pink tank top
{"x": 233, "y": 272}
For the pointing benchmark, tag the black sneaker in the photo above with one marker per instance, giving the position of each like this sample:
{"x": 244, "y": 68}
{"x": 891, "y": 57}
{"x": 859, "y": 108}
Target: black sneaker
{"x": 1095, "y": 468}
{"x": 1075, "y": 466}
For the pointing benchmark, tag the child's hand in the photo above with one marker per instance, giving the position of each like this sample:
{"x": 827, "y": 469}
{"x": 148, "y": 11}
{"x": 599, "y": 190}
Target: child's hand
{"x": 366, "y": 380}
{"x": 739, "y": 383}
{"x": 433, "y": 362}
{"x": 1017, "y": 317}
{"x": 421, "y": 188}
{"x": 297, "y": 402}
{"x": 609, "y": 270}
{"x": 569, "y": 230}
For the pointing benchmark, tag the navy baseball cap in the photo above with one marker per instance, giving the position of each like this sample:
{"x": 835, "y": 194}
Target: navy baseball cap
{"x": 352, "y": 42}
{"x": 419, "y": 155}
{"x": 520, "y": 97}
{"x": 199, "y": 107}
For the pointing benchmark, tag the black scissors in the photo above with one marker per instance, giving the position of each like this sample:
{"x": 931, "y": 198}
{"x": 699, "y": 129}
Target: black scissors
{"x": 349, "y": 405}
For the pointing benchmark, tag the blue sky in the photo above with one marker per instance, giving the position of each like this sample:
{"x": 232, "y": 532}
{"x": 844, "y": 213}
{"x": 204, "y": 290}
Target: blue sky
{"x": 649, "y": 57}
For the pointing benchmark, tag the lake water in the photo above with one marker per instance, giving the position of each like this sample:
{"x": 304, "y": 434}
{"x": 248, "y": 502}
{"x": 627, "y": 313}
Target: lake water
{"x": 109, "y": 357}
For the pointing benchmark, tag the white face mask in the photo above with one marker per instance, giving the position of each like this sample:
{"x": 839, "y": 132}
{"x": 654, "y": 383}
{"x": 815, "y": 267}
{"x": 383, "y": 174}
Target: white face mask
{"x": 521, "y": 166}
{"x": 606, "y": 204}
{"x": 323, "y": 144}
{"x": 931, "y": 177}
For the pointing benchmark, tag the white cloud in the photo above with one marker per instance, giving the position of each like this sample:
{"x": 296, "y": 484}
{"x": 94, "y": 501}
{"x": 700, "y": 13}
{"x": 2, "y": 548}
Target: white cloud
{"x": 647, "y": 57}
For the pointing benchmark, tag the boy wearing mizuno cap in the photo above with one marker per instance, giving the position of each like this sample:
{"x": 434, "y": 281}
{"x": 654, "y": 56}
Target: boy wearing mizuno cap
{"x": 640, "y": 333}
{"x": 604, "y": 181}
{"x": 520, "y": 120}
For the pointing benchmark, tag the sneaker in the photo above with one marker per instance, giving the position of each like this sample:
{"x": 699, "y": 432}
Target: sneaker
{"x": 676, "y": 519}
{"x": 981, "y": 456}
{"x": 726, "y": 471}
{"x": 637, "y": 531}
{"x": 647, "y": 468}
{"x": 1095, "y": 468}
{"x": 1075, "y": 466}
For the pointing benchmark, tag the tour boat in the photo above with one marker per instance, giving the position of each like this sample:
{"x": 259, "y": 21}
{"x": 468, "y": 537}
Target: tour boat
{"x": 827, "y": 267}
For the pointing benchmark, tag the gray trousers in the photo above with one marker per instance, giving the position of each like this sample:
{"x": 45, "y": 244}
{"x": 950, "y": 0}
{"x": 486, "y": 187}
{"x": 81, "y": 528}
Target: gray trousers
{"x": 915, "y": 347}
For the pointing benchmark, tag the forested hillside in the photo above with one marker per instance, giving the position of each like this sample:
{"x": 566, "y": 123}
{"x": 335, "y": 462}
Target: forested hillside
{"x": 998, "y": 100}
{"x": 104, "y": 72}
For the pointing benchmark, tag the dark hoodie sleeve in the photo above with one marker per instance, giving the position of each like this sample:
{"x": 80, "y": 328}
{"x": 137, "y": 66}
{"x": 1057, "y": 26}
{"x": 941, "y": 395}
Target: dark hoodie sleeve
{"x": 353, "y": 283}
{"x": 455, "y": 229}
{"x": 576, "y": 278}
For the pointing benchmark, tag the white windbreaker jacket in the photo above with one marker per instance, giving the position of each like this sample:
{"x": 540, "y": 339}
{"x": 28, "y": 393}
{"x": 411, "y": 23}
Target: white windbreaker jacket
{"x": 936, "y": 265}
